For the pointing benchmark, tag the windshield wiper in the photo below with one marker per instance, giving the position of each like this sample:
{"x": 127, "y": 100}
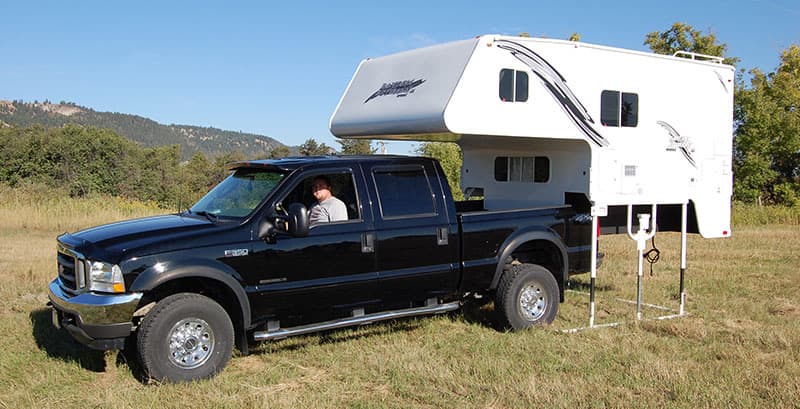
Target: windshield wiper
{"x": 210, "y": 216}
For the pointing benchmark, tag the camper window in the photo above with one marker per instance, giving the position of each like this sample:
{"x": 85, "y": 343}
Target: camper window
{"x": 609, "y": 108}
{"x": 528, "y": 169}
{"x": 630, "y": 109}
{"x": 619, "y": 108}
{"x": 521, "y": 87}
{"x": 513, "y": 85}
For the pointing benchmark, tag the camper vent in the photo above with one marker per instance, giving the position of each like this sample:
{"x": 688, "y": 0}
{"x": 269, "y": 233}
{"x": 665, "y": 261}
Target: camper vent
{"x": 630, "y": 170}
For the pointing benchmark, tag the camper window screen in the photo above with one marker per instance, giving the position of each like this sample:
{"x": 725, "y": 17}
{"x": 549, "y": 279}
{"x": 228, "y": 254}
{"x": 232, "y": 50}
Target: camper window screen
{"x": 507, "y": 85}
{"x": 513, "y": 85}
{"x": 526, "y": 169}
{"x": 609, "y": 108}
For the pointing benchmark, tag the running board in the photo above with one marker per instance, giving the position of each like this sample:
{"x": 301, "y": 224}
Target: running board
{"x": 351, "y": 321}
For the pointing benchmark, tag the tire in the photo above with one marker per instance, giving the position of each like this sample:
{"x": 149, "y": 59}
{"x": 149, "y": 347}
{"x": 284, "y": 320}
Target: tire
{"x": 185, "y": 337}
{"x": 527, "y": 295}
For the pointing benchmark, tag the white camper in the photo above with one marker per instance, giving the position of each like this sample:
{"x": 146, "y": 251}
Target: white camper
{"x": 550, "y": 122}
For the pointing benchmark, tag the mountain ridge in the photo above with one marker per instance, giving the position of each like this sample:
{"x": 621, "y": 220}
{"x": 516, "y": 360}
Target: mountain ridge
{"x": 147, "y": 132}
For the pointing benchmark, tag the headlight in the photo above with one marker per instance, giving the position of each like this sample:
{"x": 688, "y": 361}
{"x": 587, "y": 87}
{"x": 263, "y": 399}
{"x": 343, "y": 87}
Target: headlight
{"x": 105, "y": 277}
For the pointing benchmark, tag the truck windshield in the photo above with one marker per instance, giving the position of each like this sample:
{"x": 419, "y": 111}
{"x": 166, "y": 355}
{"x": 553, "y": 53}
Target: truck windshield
{"x": 238, "y": 194}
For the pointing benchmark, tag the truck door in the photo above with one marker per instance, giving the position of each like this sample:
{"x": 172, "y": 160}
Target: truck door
{"x": 417, "y": 249}
{"x": 330, "y": 269}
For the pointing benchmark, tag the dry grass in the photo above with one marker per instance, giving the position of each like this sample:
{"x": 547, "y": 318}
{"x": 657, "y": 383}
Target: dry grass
{"x": 739, "y": 347}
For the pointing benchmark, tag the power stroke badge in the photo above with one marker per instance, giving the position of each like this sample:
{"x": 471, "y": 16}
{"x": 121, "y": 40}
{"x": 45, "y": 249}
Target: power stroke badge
{"x": 398, "y": 88}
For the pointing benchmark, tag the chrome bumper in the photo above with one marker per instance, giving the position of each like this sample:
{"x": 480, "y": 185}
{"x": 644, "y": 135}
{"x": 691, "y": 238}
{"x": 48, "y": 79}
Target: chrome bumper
{"x": 101, "y": 321}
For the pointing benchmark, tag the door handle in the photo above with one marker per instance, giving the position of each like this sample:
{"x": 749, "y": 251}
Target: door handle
{"x": 441, "y": 235}
{"x": 368, "y": 242}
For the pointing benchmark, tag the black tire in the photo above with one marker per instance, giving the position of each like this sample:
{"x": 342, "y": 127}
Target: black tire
{"x": 185, "y": 337}
{"x": 527, "y": 295}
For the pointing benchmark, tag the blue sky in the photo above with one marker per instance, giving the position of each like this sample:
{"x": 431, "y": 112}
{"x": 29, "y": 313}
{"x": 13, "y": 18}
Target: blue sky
{"x": 279, "y": 69}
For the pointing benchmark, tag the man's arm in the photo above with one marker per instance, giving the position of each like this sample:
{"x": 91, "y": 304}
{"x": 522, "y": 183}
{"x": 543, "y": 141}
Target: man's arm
{"x": 338, "y": 211}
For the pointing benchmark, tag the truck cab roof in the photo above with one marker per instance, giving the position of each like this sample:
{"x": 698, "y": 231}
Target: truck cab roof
{"x": 295, "y": 162}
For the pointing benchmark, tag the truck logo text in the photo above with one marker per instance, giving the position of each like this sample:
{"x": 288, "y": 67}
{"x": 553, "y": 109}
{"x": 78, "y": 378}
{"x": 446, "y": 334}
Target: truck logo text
{"x": 237, "y": 253}
{"x": 399, "y": 88}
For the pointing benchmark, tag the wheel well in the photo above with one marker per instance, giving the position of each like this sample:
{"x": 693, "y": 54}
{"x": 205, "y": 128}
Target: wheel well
{"x": 544, "y": 253}
{"x": 210, "y": 288}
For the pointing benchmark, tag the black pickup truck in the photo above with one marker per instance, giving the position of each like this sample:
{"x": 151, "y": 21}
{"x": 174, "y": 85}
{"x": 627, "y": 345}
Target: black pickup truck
{"x": 244, "y": 264}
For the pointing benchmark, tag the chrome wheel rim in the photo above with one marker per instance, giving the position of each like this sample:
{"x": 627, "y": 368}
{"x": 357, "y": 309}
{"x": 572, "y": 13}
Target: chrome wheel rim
{"x": 191, "y": 343}
{"x": 532, "y": 302}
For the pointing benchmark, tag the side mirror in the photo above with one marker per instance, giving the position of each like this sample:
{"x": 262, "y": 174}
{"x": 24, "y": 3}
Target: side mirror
{"x": 294, "y": 222}
{"x": 266, "y": 230}
{"x": 297, "y": 220}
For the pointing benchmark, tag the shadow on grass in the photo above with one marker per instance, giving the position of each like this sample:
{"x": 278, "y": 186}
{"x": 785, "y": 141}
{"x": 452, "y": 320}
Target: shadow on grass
{"x": 480, "y": 312}
{"x": 59, "y": 344}
{"x": 584, "y": 287}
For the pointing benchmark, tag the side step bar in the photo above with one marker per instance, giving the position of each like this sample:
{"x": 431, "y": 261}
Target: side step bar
{"x": 358, "y": 320}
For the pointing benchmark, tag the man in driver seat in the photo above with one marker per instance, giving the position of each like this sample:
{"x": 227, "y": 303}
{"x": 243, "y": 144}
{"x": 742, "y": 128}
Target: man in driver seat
{"x": 328, "y": 208}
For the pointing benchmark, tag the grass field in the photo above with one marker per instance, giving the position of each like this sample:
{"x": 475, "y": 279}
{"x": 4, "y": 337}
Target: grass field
{"x": 739, "y": 347}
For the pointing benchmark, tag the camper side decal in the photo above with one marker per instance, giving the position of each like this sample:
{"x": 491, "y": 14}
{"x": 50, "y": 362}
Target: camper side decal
{"x": 399, "y": 88}
{"x": 678, "y": 142}
{"x": 557, "y": 86}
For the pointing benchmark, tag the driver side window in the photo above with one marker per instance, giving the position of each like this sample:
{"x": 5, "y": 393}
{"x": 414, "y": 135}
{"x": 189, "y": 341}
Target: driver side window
{"x": 342, "y": 187}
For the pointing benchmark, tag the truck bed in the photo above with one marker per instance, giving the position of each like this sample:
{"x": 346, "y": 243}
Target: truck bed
{"x": 485, "y": 232}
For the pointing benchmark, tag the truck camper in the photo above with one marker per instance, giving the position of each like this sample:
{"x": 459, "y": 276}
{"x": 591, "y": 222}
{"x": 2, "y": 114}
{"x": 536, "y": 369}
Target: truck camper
{"x": 548, "y": 122}
{"x": 542, "y": 122}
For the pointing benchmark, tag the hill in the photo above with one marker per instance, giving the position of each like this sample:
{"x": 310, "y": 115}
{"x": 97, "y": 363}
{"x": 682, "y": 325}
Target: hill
{"x": 210, "y": 141}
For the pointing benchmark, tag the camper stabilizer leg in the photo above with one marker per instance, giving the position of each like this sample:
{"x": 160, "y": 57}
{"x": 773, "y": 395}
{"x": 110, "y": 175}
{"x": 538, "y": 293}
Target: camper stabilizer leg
{"x": 641, "y": 238}
{"x": 682, "y": 290}
{"x": 593, "y": 268}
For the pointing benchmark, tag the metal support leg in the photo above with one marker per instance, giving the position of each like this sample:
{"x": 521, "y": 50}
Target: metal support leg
{"x": 593, "y": 268}
{"x": 681, "y": 310}
{"x": 639, "y": 287}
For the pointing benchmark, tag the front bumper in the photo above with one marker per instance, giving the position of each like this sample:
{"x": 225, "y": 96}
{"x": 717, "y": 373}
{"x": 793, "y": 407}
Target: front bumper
{"x": 100, "y": 321}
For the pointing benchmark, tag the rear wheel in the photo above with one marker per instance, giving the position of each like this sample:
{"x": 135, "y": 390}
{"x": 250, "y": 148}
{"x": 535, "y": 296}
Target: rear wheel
{"x": 527, "y": 295}
{"x": 185, "y": 337}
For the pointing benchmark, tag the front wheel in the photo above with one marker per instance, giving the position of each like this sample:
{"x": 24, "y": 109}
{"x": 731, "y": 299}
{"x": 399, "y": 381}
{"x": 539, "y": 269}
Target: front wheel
{"x": 184, "y": 338}
{"x": 527, "y": 295}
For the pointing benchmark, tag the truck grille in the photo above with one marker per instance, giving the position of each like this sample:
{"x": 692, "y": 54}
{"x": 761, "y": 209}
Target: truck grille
{"x": 70, "y": 270}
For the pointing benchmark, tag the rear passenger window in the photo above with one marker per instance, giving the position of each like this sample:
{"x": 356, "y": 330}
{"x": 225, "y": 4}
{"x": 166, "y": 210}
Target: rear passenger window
{"x": 404, "y": 192}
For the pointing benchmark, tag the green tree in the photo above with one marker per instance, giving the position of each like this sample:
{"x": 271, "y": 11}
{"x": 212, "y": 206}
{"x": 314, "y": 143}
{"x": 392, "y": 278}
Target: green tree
{"x": 574, "y": 37}
{"x": 90, "y": 159}
{"x": 449, "y": 156}
{"x": 356, "y": 146}
{"x": 767, "y": 142}
{"x": 313, "y": 148}
{"x": 198, "y": 175}
{"x": 683, "y": 37}
{"x": 159, "y": 175}
{"x": 278, "y": 151}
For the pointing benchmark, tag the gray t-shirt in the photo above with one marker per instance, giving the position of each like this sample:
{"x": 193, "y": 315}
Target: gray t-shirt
{"x": 329, "y": 210}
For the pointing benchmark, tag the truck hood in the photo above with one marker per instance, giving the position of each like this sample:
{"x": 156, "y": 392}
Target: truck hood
{"x": 138, "y": 237}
